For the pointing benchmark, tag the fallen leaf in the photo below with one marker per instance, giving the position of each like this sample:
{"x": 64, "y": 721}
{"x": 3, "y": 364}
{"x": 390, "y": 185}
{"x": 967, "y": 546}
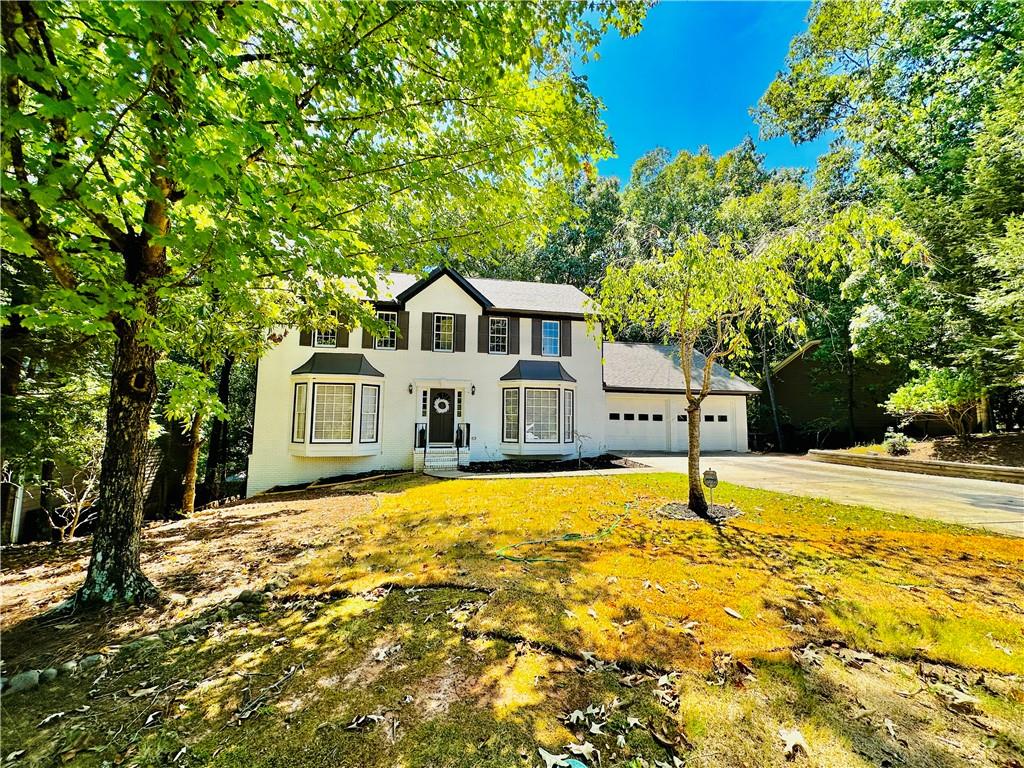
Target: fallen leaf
{"x": 794, "y": 742}
{"x": 586, "y": 749}
{"x": 550, "y": 760}
{"x": 592, "y": 613}
{"x": 733, "y": 613}
{"x": 50, "y": 718}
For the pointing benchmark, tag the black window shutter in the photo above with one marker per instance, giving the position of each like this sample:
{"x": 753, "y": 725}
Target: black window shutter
{"x": 403, "y": 330}
{"x": 483, "y": 328}
{"x": 565, "y": 338}
{"x": 367, "y": 339}
{"x": 341, "y": 339}
{"x": 535, "y": 342}
{"x": 460, "y": 333}
{"x": 513, "y": 335}
{"x": 305, "y": 338}
{"x": 427, "y": 340}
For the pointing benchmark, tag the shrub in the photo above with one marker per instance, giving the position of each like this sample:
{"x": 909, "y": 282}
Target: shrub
{"x": 947, "y": 394}
{"x": 896, "y": 443}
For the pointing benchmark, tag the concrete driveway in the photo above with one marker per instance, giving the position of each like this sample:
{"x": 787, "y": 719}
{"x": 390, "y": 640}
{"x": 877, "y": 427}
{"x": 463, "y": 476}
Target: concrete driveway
{"x": 977, "y": 503}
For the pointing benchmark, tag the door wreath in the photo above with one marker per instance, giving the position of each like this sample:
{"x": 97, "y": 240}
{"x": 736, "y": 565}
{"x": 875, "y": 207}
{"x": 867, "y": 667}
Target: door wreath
{"x": 441, "y": 405}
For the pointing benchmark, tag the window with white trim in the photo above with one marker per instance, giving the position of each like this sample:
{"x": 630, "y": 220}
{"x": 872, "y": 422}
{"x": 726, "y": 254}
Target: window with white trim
{"x": 369, "y": 409}
{"x": 299, "y": 414}
{"x": 458, "y": 403}
{"x": 550, "y": 332}
{"x": 541, "y": 416}
{"x": 444, "y": 333}
{"x": 390, "y": 338}
{"x": 327, "y": 338}
{"x": 332, "y": 412}
{"x": 497, "y": 335}
{"x": 424, "y": 403}
{"x": 570, "y": 416}
{"x": 510, "y": 416}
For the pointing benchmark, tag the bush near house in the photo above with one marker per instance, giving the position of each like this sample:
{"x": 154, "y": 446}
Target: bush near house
{"x": 946, "y": 394}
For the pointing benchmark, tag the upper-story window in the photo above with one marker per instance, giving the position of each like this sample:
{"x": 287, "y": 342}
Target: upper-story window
{"x": 325, "y": 338}
{"x": 389, "y": 340}
{"x": 444, "y": 333}
{"x": 497, "y": 336}
{"x": 549, "y": 338}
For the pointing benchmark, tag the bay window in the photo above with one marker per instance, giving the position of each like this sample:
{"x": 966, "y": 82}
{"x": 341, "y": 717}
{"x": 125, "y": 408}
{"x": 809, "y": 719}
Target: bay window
{"x": 369, "y": 411}
{"x": 570, "y": 416}
{"x": 332, "y": 413}
{"x": 540, "y": 415}
{"x": 510, "y": 416}
{"x": 299, "y": 414}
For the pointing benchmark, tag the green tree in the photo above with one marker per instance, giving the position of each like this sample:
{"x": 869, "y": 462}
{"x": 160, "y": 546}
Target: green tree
{"x": 273, "y": 154}
{"x": 924, "y": 101}
{"x": 946, "y": 394}
{"x": 707, "y": 296}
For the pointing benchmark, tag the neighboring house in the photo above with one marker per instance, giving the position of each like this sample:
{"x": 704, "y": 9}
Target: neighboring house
{"x": 471, "y": 370}
{"x": 827, "y": 401}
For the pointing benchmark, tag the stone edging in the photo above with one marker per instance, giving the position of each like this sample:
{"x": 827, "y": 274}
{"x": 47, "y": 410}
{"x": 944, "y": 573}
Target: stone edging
{"x": 922, "y": 466}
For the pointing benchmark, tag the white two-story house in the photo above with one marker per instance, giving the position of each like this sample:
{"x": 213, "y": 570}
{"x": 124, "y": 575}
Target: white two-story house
{"x": 471, "y": 369}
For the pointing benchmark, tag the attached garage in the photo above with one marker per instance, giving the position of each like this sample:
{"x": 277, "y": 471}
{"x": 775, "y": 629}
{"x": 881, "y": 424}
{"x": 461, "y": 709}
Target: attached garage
{"x": 646, "y": 407}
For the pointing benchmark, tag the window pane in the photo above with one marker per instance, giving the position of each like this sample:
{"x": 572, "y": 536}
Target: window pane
{"x": 549, "y": 337}
{"x": 444, "y": 333}
{"x": 723, "y": 418}
{"x": 541, "y": 415}
{"x": 369, "y": 400}
{"x": 332, "y": 412}
{"x": 510, "y": 416}
{"x": 390, "y": 338}
{"x": 325, "y": 338}
{"x": 424, "y": 396}
{"x": 498, "y": 336}
{"x": 569, "y": 416}
{"x": 458, "y": 403}
{"x": 299, "y": 414}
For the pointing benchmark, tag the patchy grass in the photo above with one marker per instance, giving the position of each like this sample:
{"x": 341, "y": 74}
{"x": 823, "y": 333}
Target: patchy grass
{"x": 399, "y": 608}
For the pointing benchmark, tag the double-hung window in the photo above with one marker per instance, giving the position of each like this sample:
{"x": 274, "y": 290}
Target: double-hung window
{"x": 570, "y": 415}
{"x": 541, "y": 416}
{"x": 332, "y": 412}
{"x": 549, "y": 338}
{"x": 369, "y": 410}
{"x": 510, "y": 416}
{"x": 444, "y": 333}
{"x": 497, "y": 336}
{"x": 327, "y": 338}
{"x": 389, "y": 340}
{"x": 299, "y": 414}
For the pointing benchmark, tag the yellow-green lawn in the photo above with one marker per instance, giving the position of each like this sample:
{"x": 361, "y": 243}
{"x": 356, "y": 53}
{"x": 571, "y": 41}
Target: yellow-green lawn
{"x": 881, "y": 638}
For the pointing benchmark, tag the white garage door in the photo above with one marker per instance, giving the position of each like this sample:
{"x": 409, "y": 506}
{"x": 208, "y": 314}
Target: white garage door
{"x": 638, "y": 424}
{"x": 717, "y": 430}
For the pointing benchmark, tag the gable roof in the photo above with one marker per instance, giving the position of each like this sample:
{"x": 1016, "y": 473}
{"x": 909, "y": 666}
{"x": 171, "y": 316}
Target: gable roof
{"x": 800, "y": 352}
{"x": 493, "y": 295}
{"x": 632, "y": 367}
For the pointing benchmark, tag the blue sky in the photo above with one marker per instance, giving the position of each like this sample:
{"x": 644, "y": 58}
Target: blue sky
{"x": 690, "y": 78}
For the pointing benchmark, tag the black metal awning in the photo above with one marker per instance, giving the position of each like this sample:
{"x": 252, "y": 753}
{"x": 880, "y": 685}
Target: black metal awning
{"x": 338, "y": 363}
{"x": 537, "y": 370}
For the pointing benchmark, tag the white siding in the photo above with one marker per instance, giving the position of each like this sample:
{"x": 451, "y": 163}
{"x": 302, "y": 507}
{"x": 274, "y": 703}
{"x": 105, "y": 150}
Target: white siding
{"x": 273, "y": 463}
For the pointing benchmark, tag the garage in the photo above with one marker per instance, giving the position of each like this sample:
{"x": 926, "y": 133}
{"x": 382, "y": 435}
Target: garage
{"x": 646, "y": 407}
{"x": 638, "y": 423}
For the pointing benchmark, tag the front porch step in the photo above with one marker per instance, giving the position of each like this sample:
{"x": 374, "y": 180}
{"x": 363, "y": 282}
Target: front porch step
{"x": 438, "y": 459}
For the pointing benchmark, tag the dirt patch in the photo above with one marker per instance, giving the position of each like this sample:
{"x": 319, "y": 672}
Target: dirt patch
{"x": 604, "y": 461}
{"x": 677, "y": 510}
{"x": 1002, "y": 450}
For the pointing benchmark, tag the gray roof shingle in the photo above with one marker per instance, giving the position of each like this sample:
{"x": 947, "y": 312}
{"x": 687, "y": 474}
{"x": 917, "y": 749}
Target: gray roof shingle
{"x": 511, "y": 295}
{"x": 655, "y": 368}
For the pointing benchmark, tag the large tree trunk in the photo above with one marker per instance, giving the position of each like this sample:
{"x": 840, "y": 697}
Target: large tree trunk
{"x": 773, "y": 403}
{"x": 697, "y": 502}
{"x": 195, "y": 433}
{"x": 219, "y": 434}
{"x": 115, "y": 570}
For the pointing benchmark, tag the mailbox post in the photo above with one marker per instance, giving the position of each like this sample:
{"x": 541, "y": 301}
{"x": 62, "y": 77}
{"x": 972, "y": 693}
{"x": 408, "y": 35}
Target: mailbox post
{"x": 711, "y": 481}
